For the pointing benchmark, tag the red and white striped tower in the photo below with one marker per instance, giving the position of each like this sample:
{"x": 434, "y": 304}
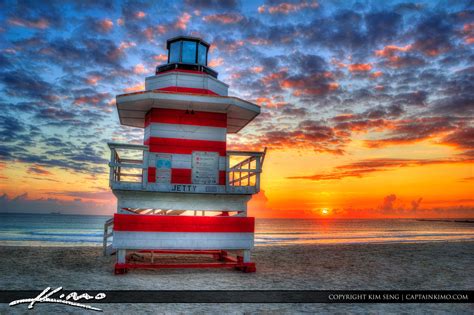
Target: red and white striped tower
{"x": 188, "y": 194}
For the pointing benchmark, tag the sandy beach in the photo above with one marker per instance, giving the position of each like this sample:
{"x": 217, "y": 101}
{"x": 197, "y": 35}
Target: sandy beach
{"x": 436, "y": 266}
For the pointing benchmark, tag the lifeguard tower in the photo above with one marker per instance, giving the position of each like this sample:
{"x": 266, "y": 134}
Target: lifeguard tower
{"x": 182, "y": 192}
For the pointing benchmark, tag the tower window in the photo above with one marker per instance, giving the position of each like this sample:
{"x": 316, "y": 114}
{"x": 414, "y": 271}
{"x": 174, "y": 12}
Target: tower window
{"x": 202, "y": 54}
{"x": 175, "y": 52}
{"x": 189, "y": 52}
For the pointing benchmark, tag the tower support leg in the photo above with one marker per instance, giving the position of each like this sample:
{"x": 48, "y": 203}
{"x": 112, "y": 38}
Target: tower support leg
{"x": 121, "y": 256}
{"x": 121, "y": 262}
{"x": 246, "y": 255}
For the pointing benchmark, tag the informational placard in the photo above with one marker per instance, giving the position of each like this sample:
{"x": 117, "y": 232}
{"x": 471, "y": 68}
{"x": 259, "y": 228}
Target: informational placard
{"x": 205, "y": 168}
{"x": 163, "y": 168}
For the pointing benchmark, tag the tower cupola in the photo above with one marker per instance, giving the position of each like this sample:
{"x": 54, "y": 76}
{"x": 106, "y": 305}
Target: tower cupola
{"x": 187, "y": 53}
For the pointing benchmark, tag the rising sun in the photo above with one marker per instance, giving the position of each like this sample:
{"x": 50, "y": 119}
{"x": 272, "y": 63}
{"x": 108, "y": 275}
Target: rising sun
{"x": 324, "y": 211}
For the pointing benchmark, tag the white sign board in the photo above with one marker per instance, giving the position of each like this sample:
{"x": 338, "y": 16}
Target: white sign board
{"x": 163, "y": 168}
{"x": 205, "y": 168}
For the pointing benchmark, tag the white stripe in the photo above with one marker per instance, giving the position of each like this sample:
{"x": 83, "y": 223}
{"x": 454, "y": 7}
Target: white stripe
{"x": 182, "y": 240}
{"x": 183, "y": 161}
{"x": 185, "y": 132}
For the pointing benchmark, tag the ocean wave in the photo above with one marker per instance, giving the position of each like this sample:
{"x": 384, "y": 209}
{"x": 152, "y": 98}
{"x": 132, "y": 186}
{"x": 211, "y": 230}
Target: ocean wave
{"x": 83, "y": 234}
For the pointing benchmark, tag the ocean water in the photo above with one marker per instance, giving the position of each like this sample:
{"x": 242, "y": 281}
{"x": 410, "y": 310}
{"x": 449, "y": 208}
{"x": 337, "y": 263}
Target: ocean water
{"x": 86, "y": 230}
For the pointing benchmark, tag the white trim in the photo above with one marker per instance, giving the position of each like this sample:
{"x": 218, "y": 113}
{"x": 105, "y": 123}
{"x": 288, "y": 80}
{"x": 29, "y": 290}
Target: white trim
{"x": 182, "y": 131}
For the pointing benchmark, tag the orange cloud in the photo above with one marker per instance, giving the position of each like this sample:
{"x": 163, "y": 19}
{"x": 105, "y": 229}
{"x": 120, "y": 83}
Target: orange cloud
{"x": 224, "y": 18}
{"x": 256, "y": 69}
{"x": 376, "y": 74}
{"x": 139, "y": 69}
{"x": 390, "y": 50}
{"x": 93, "y": 79}
{"x": 161, "y": 29}
{"x": 269, "y": 102}
{"x": 286, "y": 8}
{"x": 160, "y": 57}
{"x": 91, "y": 99}
{"x": 126, "y": 45}
{"x": 135, "y": 88}
{"x": 38, "y": 24}
{"x": 364, "y": 167}
{"x": 275, "y": 76}
{"x": 414, "y": 130}
{"x": 355, "y": 67}
{"x": 468, "y": 31}
{"x": 258, "y": 41}
{"x": 148, "y": 32}
{"x": 360, "y": 67}
{"x": 227, "y": 46}
{"x": 183, "y": 20}
{"x": 140, "y": 14}
{"x": 106, "y": 25}
{"x": 216, "y": 62}
{"x": 395, "y": 59}
{"x": 118, "y": 52}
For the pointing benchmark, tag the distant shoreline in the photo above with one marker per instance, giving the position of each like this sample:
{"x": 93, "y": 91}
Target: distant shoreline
{"x": 457, "y": 220}
{"x": 447, "y": 220}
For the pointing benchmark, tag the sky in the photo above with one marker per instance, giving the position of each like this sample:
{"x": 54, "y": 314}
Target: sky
{"x": 367, "y": 106}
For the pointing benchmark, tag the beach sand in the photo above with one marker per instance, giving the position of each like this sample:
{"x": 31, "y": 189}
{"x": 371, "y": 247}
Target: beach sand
{"x": 405, "y": 266}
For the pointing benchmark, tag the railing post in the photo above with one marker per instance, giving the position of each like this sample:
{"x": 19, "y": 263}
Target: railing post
{"x": 257, "y": 175}
{"x": 227, "y": 172}
{"x": 145, "y": 168}
{"x": 111, "y": 168}
{"x": 104, "y": 244}
{"x": 248, "y": 173}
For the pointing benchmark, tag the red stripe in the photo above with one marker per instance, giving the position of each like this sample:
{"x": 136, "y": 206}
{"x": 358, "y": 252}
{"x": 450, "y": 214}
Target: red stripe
{"x": 221, "y": 177}
{"x": 184, "y": 146}
{"x": 183, "y": 70}
{"x": 183, "y": 117}
{"x": 182, "y": 89}
{"x": 152, "y": 174}
{"x": 181, "y": 176}
{"x": 154, "y": 223}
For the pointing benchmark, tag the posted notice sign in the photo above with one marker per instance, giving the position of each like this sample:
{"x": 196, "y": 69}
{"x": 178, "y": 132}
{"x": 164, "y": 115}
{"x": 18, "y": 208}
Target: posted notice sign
{"x": 205, "y": 168}
{"x": 163, "y": 168}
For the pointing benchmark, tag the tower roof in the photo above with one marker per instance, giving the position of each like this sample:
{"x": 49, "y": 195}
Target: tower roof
{"x": 191, "y": 38}
{"x": 133, "y": 107}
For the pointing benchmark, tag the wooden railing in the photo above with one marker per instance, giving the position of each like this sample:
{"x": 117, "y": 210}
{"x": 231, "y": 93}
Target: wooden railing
{"x": 246, "y": 172}
{"x": 108, "y": 234}
{"x": 243, "y": 169}
{"x": 128, "y": 170}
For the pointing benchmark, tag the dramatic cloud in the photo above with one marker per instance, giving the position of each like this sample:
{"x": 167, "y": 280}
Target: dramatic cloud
{"x": 39, "y": 23}
{"x": 230, "y": 18}
{"x": 287, "y": 7}
{"x": 365, "y": 167}
{"x": 414, "y": 130}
